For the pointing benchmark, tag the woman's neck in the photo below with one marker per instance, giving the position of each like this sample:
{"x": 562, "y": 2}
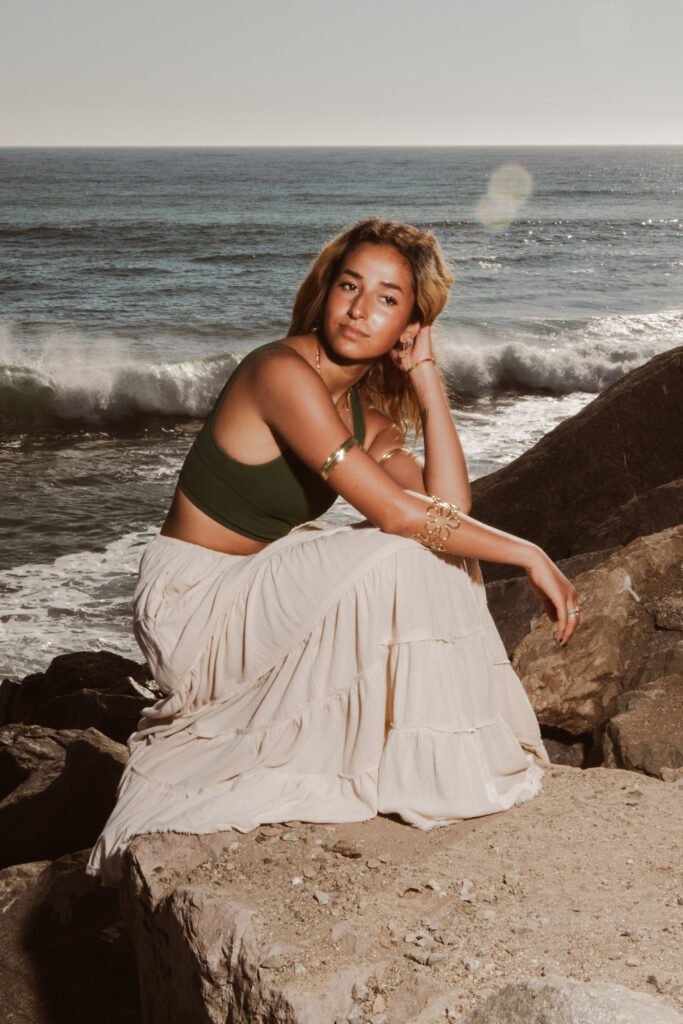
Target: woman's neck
{"x": 338, "y": 378}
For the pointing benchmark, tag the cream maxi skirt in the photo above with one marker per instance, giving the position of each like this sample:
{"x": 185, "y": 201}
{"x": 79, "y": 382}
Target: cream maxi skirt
{"x": 338, "y": 673}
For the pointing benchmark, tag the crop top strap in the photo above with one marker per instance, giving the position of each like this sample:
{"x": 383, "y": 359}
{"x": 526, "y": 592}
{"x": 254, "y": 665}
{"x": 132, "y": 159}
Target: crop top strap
{"x": 356, "y": 401}
{"x": 236, "y": 372}
{"x": 358, "y": 415}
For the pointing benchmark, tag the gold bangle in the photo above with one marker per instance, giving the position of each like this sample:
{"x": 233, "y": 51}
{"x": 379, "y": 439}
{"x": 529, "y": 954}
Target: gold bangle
{"x": 442, "y": 517}
{"x": 338, "y": 455}
{"x": 393, "y": 451}
{"x": 427, "y": 359}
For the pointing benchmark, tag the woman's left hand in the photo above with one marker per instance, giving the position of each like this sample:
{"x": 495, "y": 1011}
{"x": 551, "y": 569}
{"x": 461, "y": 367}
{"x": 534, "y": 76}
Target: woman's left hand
{"x": 404, "y": 356}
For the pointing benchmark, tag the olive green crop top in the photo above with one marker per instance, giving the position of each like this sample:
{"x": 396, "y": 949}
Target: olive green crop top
{"x": 263, "y": 501}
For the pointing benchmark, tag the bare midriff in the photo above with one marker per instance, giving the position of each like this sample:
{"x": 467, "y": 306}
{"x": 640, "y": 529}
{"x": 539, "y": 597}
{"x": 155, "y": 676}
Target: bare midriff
{"x": 186, "y": 522}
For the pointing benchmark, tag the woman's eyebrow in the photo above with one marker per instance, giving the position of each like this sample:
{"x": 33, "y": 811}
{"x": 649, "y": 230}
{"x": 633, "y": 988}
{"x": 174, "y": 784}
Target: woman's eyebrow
{"x": 385, "y": 284}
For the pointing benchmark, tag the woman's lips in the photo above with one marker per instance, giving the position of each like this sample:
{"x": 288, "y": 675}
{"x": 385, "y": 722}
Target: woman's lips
{"x": 351, "y": 332}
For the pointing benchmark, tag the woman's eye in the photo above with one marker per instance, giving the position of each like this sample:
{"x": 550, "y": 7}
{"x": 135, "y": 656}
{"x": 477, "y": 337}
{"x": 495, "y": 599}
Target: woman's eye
{"x": 391, "y": 301}
{"x": 347, "y": 284}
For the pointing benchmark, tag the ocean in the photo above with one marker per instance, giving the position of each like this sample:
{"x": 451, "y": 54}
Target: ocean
{"x": 133, "y": 280}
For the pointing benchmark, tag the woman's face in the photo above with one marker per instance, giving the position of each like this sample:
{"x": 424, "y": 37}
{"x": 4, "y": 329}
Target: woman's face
{"x": 370, "y": 303}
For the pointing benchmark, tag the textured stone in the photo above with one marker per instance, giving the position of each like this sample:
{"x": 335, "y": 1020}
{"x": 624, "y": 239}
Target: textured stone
{"x": 602, "y": 477}
{"x": 646, "y": 734}
{"x": 58, "y": 788}
{"x": 64, "y": 950}
{"x": 84, "y": 689}
{"x": 575, "y": 688}
{"x": 201, "y": 957}
{"x": 557, "y": 1000}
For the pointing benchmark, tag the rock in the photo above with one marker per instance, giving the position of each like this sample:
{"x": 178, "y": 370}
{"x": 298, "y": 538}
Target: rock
{"x": 346, "y": 849}
{"x": 64, "y": 949}
{"x": 200, "y": 952}
{"x": 220, "y": 931}
{"x": 58, "y": 788}
{"x": 669, "y": 613}
{"x": 563, "y": 1001}
{"x": 646, "y": 734}
{"x": 514, "y": 606}
{"x": 563, "y": 748}
{"x": 569, "y": 503}
{"x": 82, "y": 690}
{"x": 9, "y": 688}
{"x": 576, "y": 688}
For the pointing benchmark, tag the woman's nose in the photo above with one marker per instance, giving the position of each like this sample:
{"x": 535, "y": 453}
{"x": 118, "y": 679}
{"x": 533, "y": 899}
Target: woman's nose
{"x": 357, "y": 307}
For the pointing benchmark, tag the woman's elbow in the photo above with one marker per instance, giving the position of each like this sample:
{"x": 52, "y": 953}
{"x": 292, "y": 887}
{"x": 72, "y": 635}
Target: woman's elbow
{"x": 396, "y": 520}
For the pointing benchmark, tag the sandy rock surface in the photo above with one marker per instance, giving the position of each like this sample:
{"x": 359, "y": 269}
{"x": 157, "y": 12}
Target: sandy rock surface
{"x": 585, "y": 881}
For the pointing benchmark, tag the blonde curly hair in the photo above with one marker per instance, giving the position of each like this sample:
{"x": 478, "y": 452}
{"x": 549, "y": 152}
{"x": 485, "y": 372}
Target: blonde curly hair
{"x": 384, "y": 386}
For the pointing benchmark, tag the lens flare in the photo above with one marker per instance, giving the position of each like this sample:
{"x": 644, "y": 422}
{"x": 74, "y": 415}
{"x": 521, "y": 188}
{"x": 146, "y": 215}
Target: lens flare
{"x": 509, "y": 187}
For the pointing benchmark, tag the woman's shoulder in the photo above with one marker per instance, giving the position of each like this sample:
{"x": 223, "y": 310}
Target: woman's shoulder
{"x": 288, "y": 348}
{"x": 284, "y": 368}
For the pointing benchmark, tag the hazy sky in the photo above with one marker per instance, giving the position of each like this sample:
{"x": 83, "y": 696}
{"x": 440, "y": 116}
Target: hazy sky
{"x": 340, "y": 72}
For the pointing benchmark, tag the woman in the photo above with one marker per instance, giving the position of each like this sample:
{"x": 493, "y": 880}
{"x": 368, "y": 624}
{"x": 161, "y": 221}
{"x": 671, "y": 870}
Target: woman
{"x": 327, "y": 674}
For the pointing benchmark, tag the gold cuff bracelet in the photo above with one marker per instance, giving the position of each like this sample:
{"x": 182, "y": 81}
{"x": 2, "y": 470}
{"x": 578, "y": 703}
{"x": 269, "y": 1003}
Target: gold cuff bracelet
{"x": 338, "y": 455}
{"x": 442, "y": 517}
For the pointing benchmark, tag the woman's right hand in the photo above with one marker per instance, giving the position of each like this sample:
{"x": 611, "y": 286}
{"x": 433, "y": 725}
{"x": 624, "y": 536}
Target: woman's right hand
{"x": 556, "y": 593}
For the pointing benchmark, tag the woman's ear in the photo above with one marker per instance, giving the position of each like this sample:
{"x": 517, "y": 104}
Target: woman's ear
{"x": 413, "y": 329}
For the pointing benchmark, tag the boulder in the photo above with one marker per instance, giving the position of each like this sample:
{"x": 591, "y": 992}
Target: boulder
{"x": 600, "y": 478}
{"x": 646, "y": 734}
{"x": 58, "y": 787}
{"x": 575, "y": 688}
{"x": 200, "y": 956}
{"x": 558, "y": 1000}
{"x": 377, "y": 921}
{"x": 80, "y": 690}
{"x": 64, "y": 950}
{"x": 9, "y": 688}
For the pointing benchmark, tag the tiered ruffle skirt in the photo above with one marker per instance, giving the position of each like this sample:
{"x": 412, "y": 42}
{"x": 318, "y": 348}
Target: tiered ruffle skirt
{"x": 337, "y": 674}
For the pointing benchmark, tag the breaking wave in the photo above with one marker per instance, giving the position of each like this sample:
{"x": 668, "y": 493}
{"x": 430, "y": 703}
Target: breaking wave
{"x": 105, "y": 385}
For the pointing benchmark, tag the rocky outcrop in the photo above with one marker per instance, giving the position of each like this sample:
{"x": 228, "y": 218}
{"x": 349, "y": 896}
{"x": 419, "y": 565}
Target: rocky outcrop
{"x": 65, "y": 954}
{"x": 58, "y": 787}
{"x": 602, "y": 478}
{"x": 576, "y": 688}
{"x": 80, "y": 690}
{"x": 377, "y": 921}
{"x": 563, "y": 1001}
{"x": 646, "y": 734}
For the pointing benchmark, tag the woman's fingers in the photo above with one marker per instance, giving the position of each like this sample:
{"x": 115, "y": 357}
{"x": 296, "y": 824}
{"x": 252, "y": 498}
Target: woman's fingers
{"x": 570, "y": 620}
{"x": 559, "y": 599}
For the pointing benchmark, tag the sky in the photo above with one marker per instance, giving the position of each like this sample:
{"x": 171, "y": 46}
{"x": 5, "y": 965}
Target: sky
{"x": 340, "y": 72}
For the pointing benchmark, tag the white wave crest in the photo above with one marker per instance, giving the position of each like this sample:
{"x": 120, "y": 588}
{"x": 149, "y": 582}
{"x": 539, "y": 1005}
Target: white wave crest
{"x": 103, "y": 381}
{"x": 560, "y": 358}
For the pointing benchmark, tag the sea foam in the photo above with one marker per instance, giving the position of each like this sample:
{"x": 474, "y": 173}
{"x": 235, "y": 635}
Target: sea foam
{"x": 107, "y": 383}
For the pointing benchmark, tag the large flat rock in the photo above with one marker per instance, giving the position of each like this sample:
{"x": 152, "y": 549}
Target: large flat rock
{"x": 377, "y": 921}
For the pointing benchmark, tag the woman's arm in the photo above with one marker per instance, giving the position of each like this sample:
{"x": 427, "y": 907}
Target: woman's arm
{"x": 297, "y": 406}
{"x": 445, "y": 470}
